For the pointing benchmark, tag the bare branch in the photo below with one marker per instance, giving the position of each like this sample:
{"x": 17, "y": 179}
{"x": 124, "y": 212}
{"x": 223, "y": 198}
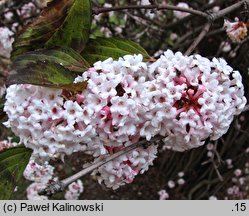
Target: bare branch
{"x": 199, "y": 38}
{"x": 228, "y": 10}
{"x": 97, "y": 11}
{"x": 60, "y": 185}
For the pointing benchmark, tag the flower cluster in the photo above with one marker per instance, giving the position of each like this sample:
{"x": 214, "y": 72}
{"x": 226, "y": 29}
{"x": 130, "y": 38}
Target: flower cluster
{"x": 236, "y": 31}
{"x": 74, "y": 190}
{"x": 27, "y": 10}
{"x": 185, "y": 99}
{"x": 44, "y": 122}
{"x": 125, "y": 168}
{"x": 6, "y": 144}
{"x": 238, "y": 187}
{"x": 40, "y": 173}
{"x": 198, "y": 98}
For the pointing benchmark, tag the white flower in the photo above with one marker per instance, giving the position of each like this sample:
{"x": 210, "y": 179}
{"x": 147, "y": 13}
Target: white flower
{"x": 73, "y": 112}
{"x": 180, "y": 14}
{"x": 163, "y": 195}
{"x": 171, "y": 184}
{"x": 222, "y": 66}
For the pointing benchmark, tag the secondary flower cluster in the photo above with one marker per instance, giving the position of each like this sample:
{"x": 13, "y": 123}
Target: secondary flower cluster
{"x": 236, "y": 31}
{"x": 125, "y": 168}
{"x": 42, "y": 174}
{"x": 185, "y": 99}
{"x": 74, "y": 190}
{"x": 6, "y": 144}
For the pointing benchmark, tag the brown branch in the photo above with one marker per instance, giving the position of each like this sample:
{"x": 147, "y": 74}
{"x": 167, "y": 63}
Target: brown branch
{"x": 211, "y": 18}
{"x": 60, "y": 185}
{"x": 199, "y": 38}
{"x": 97, "y": 11}
{"x": 227, "y": 10}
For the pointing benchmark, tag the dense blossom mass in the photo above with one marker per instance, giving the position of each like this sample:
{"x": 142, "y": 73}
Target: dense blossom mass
{"x": 185, "y": 99}
{"x": 199, "y": 98}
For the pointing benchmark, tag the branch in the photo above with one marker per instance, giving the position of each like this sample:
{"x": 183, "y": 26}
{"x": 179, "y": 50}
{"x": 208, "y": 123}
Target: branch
{"x": 199, "y": 38}
{"x": 60, "y": 185}
{"x": 211, "y": 18}
{"x": 227, "y": 10}
{"x": 97, "y": 11}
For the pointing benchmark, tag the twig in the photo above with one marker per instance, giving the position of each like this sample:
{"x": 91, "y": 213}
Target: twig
{"x": 97, "y": 11}
{"x": 211, "y": 18}
{"x": 60, "y": 185}
{"x": 189, "y": 34}
{"x": 228, "y": 10}
{"x": 199, "y": 38}
{"x": 216, "y": 31}
{"x": 139, "y": 20}
{"x": 217, "y": 171}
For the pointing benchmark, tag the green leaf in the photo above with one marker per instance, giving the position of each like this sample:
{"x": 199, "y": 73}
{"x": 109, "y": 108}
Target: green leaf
{"x": 12, "y": 165}
{"x": 75, "y": 30}
{"x": 46, "y": 73}
{"x": 62, "y": 23}
{"x": 66, "y": 57}
{"x": 103, "y": 48}
{"x": 55, "y": 68}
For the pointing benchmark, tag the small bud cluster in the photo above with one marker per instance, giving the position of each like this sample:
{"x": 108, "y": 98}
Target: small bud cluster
{"x": 236, "y": 31}
{"x": 239, "y": 189}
